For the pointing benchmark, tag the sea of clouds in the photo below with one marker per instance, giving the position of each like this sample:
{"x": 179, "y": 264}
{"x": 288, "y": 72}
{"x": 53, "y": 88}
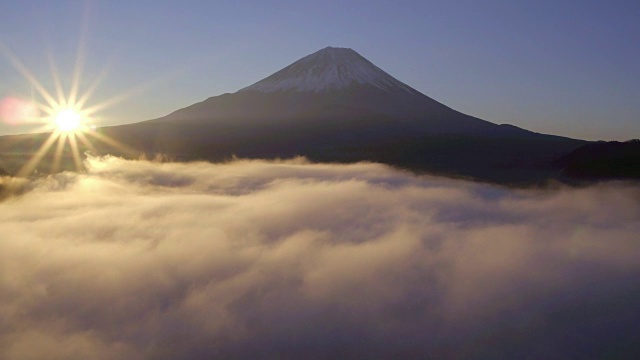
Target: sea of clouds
{"x": 286, "y": 259}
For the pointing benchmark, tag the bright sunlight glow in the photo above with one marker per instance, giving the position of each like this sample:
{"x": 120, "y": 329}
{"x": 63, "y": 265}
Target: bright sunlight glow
{"x": 65, "y": 117}
{"x": 68, "y": 120}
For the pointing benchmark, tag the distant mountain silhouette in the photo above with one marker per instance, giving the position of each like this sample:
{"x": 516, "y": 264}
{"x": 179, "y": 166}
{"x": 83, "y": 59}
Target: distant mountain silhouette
{"x": 335, "y": 105}
{"x": 603, "y": 160}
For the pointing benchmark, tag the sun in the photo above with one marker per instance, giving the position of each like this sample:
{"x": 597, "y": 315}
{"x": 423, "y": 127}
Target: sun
{"x": 69, "y": 123}
{"x": 68, "y": 120}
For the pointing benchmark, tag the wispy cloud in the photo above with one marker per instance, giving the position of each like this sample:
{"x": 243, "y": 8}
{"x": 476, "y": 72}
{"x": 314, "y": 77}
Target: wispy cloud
{"x": 254, "y": 259}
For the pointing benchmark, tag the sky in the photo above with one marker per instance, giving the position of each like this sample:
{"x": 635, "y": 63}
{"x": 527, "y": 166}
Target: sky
{"x": 561, "y": 67}
{"x": 286, "y": 259}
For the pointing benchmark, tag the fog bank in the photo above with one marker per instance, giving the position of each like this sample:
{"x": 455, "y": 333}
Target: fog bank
{"x": 254, "y": 259}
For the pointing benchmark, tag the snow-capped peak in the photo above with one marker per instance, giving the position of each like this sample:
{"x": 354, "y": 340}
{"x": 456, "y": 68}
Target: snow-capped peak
{"x": 328, "y": 69}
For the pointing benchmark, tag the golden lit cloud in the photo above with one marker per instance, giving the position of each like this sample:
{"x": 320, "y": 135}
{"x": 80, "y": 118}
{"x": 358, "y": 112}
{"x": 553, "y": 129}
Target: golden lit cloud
{"x": 255, "y": 259}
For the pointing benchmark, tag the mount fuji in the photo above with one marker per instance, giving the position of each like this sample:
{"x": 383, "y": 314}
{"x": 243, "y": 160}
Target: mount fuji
{"x": 336, "y": 106}
{"x": 330, "y": 85}
{"x": 329, "y": 69}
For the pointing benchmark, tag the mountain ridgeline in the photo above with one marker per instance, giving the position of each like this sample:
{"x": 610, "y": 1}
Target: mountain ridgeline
{"x": 336, "y": 106}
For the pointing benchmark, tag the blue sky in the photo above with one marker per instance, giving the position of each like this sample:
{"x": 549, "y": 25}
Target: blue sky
{"x": 563, "y": 67}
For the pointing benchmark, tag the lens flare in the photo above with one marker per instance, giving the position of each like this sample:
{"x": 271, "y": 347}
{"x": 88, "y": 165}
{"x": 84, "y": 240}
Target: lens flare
{"x": 16, "y": 111}
{"x": 65, "y": 118}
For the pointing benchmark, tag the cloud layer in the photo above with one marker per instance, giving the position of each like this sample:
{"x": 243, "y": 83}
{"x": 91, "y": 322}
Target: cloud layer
{"x": 253, "y": 259}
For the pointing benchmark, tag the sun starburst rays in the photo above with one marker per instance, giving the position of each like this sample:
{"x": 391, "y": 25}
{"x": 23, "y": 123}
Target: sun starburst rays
{"x": 67, "y": 119}
{"x": 57, "y": 156}
{"x": 33, "y": 162}
{"x": 55, "y": 76}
